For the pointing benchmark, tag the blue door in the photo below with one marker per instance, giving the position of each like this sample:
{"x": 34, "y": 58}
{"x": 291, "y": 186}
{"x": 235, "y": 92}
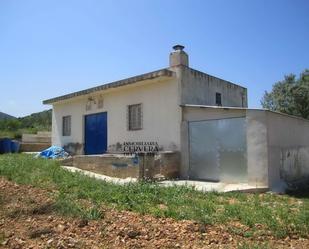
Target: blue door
{"x": 96, "y": 133}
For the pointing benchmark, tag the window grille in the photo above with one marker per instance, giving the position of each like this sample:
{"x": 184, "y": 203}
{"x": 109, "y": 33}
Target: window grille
{"x": 135, "y": 117}
{"x": 66, "y": 126}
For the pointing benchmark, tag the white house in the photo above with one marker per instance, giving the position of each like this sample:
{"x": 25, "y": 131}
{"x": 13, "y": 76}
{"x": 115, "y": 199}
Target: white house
{"x": 203, "y": 118}
{"x": 146, "y": 107}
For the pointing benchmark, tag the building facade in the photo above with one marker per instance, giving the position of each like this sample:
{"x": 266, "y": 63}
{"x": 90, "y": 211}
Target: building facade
{"x": 201, "y": 124}
{"x": 150, "y": 102}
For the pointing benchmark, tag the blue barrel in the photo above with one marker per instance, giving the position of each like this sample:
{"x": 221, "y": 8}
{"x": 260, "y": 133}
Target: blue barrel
{"x": 1, "y": 146}
{"x": 6, "y": 145}
{"x": 15, "y": 146}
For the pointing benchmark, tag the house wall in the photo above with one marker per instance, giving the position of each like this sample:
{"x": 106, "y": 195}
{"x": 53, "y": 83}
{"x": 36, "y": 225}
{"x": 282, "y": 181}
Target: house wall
{"x": 200, "y": 89}
{"x": 161, "y": 115}
{"x": 277, "y": 145}
{"x": 288, "y": 146}
{"x": 257, "y": 150}
{"x": 256, "y": 136}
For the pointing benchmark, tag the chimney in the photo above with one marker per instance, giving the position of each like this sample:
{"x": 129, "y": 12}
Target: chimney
{"x": 179, "y": 57}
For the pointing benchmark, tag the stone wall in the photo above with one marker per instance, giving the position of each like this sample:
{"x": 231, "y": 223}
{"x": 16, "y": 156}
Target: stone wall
{"x": 110, "y": 165}
{"x": 164, "y": 165}
{"x": 169, "y": 164}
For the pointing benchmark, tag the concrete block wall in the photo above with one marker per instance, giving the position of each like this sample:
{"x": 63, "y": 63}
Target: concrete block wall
{"x": 123, "y": 166}
{"x": 36, "y": 138}
{"x": 35, "y": 142}
{"x": 110, "y": 165}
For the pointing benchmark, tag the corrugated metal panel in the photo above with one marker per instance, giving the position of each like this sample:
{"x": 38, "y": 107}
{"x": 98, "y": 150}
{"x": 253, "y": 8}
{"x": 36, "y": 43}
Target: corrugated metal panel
{"x": 218, "y": 150}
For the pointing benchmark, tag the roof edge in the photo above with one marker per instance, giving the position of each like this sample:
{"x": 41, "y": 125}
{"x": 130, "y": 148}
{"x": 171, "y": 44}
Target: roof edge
{"x": 210, "y": 75}
{"x": 127, "y": 81}
{"x": 243, "y": 108}
{"x": 223, "y": 107}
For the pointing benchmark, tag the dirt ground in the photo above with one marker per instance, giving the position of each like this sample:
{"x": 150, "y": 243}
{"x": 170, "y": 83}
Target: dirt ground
{"x": 27, "y": 221}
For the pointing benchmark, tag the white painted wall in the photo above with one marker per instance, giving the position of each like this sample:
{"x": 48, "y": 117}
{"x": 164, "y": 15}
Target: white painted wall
{"x": 200, "y": 89}
{"x": 257, "y": 150}
{"x": 161, "y": 114}
{"x": 288, "y": 146}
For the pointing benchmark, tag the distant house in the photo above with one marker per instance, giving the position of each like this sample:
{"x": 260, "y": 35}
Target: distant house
{"x": 202, "y": 117}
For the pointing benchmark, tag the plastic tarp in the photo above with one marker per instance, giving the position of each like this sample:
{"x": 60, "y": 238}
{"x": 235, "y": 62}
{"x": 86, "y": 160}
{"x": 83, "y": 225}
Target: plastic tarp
{"x": 54, "y": 152}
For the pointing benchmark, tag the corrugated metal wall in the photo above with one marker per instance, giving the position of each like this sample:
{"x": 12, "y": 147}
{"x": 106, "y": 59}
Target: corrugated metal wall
{"x": 218, "y": 150}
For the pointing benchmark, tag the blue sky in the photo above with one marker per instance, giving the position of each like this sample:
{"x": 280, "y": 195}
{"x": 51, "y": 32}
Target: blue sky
{"x": 50, "y": 48}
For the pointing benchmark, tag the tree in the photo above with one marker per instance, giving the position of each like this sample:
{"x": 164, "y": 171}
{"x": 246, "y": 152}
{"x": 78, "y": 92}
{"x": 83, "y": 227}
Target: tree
{"x": 9, "y": 124}
{"x": 290, "y": 96}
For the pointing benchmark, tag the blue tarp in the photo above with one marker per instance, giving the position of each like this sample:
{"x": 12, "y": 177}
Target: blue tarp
{"x": 54, "y": 152}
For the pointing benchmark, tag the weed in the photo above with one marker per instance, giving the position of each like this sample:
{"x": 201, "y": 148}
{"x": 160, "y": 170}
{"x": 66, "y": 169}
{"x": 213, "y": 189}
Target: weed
{"x": 93, "y": 213}
{"x": 281, "y": 214}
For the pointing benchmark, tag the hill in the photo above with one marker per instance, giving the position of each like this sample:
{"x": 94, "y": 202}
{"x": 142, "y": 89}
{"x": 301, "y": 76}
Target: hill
{"x": 39, "y": 120}
{"x": 5, "y": 116}
{"x": 15, "y": 127}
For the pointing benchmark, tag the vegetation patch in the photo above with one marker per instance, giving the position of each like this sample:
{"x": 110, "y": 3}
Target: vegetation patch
{"x": 77, "y": 195}
{"x": 31, "y": 124}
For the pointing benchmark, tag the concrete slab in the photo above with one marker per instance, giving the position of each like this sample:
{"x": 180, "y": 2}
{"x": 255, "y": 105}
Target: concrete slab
{"x": 198, "y": 185}
{"x": 101, "y": 177}
{"x": 216, "y": 186}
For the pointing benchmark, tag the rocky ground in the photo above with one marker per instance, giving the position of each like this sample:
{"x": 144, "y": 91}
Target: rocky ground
{"x": 27, "y": 220}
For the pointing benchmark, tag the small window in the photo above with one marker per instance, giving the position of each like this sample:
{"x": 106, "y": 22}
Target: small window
{"x": 135, "y": 117}
{"x": 66, "y": 126}
{"x": 218, "y": 99}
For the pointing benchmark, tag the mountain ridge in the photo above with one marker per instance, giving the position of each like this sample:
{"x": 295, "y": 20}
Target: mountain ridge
{"x": 6, "y": 116}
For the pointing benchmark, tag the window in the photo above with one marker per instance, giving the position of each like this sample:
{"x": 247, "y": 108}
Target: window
{"x": 66, "y": 126}
{"x": 135, "y": 117}
{"x": 218, "y": 99}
